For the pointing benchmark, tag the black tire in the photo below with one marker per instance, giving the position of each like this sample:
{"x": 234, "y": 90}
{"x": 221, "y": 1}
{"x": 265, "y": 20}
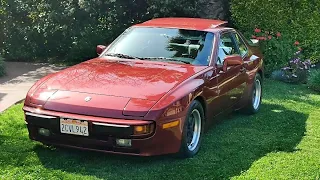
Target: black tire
{"x": 185, "y": 152}
{"x": 252, "y": 106}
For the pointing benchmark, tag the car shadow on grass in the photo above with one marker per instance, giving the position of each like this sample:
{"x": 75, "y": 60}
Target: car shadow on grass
{"x": 229, "y": 148}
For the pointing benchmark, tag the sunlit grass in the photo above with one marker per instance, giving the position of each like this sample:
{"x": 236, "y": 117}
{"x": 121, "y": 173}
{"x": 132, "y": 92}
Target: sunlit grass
{"x": 281, "y": 142}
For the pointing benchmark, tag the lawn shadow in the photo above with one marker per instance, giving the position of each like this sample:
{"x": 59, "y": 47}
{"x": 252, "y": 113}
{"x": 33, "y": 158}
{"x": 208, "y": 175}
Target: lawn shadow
{"x": 228, "y": 149}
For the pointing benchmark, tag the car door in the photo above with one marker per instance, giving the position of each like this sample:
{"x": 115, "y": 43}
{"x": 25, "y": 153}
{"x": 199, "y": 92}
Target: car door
{"x": 241, "y": 80}
{"x": 232, "y": 82}
{"x": 220, "y": 92}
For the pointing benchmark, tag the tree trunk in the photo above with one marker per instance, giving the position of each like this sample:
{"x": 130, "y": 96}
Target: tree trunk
{"x": 215, "y": 9}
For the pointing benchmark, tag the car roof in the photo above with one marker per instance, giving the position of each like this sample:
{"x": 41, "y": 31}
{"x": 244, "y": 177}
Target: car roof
{"x": 199, "y": 24}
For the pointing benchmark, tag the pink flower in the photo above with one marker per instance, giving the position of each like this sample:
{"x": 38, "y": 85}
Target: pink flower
{"x": 296, "y": 43}
{"x": 257, "y": 30}
{"x": 278, "y": 34}
{"x": 261, "y": 38}
{"x": 253, "y": 36}
{"x": 269, "y": 37}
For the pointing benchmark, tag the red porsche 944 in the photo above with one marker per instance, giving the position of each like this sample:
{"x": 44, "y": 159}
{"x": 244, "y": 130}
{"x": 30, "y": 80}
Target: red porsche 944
{"x": 153, "y": 91}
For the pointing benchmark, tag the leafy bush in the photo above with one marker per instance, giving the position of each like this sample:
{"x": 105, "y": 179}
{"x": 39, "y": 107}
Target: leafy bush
{"x": 296, "y": 20}
{"x": 37, "y": 29}
{"x": 2, "y": 67}
{"x": 71, "y": 29}
{"x": 314, "y": 80}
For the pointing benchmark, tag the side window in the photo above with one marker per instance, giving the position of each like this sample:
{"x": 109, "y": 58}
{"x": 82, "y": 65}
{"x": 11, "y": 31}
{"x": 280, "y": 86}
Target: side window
{"x": 227, "y": 47}
{"x": 242, "y": 47}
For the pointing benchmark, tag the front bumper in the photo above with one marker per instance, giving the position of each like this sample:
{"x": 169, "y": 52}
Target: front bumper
{"x": 103, "y": 139}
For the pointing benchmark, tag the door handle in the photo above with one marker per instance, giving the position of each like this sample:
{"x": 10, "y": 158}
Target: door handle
{"x": 243, "y": 69}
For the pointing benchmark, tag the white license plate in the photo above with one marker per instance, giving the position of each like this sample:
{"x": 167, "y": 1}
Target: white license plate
{"x": 74, "y": 127}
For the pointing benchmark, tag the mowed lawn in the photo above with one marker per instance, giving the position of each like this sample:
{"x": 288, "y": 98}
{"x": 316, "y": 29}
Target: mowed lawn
{"x": 281, "y": 142}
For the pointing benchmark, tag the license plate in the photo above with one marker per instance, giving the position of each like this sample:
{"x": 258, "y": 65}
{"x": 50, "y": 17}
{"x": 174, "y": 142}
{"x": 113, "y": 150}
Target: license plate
{"x": 74, "y": 127}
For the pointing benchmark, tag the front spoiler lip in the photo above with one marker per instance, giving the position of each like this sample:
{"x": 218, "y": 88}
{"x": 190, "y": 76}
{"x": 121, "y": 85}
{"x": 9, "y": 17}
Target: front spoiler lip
{"x": 92, "y": 149}
{"x": 97, "y": 150}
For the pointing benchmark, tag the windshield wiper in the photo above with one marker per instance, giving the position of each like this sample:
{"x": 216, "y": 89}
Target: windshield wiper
{"x": 119, "y": 55}
{"x": 166, "y": 59}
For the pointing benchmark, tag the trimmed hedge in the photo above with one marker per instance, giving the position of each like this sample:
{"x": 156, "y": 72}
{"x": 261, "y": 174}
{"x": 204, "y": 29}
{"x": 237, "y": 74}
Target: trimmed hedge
{"x": 296, "y": 20}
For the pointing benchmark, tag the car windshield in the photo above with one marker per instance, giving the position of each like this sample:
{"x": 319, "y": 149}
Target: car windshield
{"x": 164, "y": 44}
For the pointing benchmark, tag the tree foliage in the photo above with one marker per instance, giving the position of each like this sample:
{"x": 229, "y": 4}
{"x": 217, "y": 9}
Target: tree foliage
{"x": 70, "y": 29}
{"x": 63, "y": 29}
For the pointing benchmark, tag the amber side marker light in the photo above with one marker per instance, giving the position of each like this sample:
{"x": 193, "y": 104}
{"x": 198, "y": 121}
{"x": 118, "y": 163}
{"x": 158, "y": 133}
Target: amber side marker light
{"x": 143, "y": 129}
{"x": 171, "y": 124}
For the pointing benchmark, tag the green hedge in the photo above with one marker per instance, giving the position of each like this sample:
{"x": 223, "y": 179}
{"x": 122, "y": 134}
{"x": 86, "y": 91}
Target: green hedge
{"x": 70, "y": 29}
{"x": 33, "y": 30}
{"x": 296, "y": 20}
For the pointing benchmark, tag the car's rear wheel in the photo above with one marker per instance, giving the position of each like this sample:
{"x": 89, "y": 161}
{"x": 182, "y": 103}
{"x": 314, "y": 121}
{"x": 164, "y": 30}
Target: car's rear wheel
{"x": 255, "y": 98}
{"x": 192, "y": 131}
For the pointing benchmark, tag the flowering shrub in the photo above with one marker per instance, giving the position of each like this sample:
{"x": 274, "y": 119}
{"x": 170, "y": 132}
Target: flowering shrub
{"x": 276, "y": 56}
{"x": 276, "y": 47}
{"x": 300, "y": 19}
{"x": 297, "y": 70}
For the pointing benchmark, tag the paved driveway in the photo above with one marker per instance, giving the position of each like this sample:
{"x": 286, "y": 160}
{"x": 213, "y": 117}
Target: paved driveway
{"x": 19, "y": 79}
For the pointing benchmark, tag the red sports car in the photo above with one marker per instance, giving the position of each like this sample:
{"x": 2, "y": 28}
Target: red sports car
{"x": 153, "y": 91}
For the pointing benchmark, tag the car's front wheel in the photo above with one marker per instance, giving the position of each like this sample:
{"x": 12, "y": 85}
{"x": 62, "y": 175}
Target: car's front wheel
{"x": 192, "y": 131}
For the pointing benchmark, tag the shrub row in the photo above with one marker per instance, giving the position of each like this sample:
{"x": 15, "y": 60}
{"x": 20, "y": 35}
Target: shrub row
{"x": 70, "y": 29}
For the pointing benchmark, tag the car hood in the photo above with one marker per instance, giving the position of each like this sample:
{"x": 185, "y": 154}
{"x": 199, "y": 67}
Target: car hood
{"x": 132, "y": 79}
{"x": 130, "y": 85}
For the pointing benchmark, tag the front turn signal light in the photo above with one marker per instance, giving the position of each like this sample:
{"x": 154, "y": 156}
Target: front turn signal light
{"x": 143, "y": 129}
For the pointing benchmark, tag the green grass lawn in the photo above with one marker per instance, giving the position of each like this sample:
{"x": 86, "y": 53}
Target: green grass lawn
{"x": 281, "y": 142}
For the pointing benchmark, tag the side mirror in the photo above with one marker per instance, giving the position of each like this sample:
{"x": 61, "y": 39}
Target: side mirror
{"x": 100, "y": 49}
{"x": 254, "y": 42}
{"x": 233, "y": 60}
